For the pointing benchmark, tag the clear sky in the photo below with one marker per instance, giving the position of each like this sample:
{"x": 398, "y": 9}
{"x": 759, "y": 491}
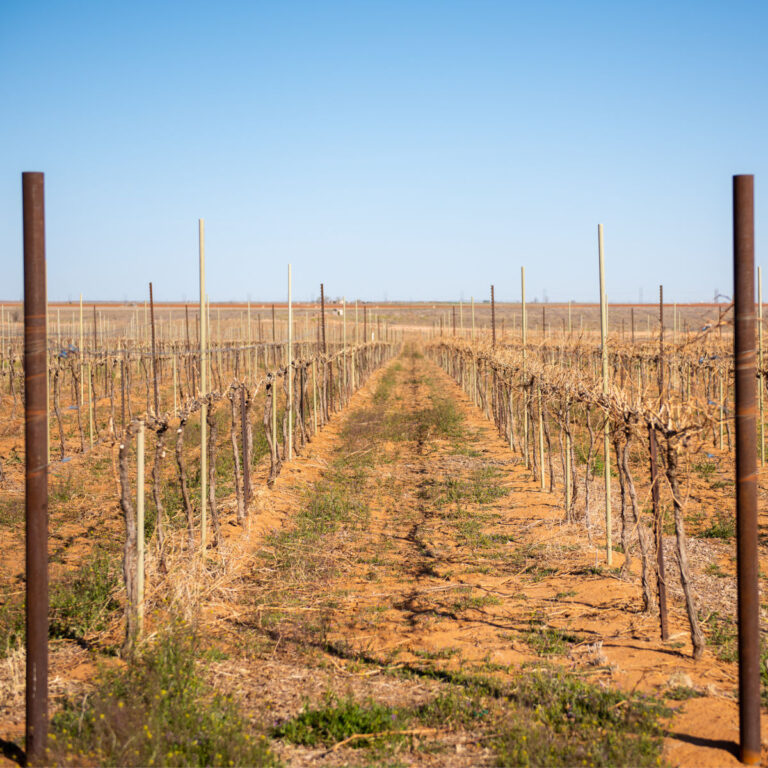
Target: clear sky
{"x": 402, "y": 149}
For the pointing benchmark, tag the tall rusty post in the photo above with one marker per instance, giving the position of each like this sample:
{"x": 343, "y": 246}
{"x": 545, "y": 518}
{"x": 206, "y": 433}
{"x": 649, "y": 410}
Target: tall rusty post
{"x": 493, "y": 318}
{"x": 746, "y": 467}
{"x": 36, "y": 444}
{"x": 154, "y": 352}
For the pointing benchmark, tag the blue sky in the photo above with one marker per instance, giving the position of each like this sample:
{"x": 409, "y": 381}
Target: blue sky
{"x": 407, "y": 150}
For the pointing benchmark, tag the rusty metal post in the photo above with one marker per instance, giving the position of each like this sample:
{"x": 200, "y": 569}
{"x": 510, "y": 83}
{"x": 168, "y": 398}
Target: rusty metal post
{"x": 36, "y": 478}
{"x": 493, "y": 318}
{"x": 658, "y": 532}
{"x": 746, "y": 468}
{"x": 154, "y": 352}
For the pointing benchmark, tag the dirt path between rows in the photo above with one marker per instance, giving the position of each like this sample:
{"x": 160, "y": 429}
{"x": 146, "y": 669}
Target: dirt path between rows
{"x": 461, "y": 567}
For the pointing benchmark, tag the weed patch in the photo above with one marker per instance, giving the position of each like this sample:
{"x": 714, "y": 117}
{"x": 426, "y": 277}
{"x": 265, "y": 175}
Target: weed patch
{"x": 548, "y": 641}
{"x": 565, "y": 721}
{"x": 157, "y": 711}
{"x": 339, "y": 719}
{"x": 82, "y": 604}
{"x": 724, "y": 527}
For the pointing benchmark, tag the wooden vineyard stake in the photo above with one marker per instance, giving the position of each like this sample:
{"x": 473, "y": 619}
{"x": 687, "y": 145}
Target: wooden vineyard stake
{"x": 606, "y": 426}
{"x": 541, "y": 440}
{"x": 244, "y": 431}
{"x": 154, "y": 352}
{"x": 140, "y": 529}
{"x": 289, "y": 369}
{"x": 81, "y": 354}
{"x": 658, "y": 530}
{"x": 524, "y": 331}
{"x": 203, "y": 389}
{"x": 314, "y": 396}
{"x": 493, "y": 317}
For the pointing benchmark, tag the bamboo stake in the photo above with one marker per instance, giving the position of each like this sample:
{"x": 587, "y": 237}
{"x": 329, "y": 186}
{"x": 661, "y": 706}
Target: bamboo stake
{"x": 606, "y": 427}
{"x": 203, "y": 389}
{"x": 140, "y": 529}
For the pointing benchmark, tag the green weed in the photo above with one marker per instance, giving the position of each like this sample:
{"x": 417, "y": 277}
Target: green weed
{"x": 565, "y": 721}
{"x": 339, "y": 719}
{"x": 81, "y": 604}
{"x": 156, "y": 711}
{"x": 12, "y": 512}
{"x": 548, "y": 641}
{"x": 481, "y": 487}
{"x": 705, "y": 468}
{"x": 724, "y": 527}
{"x": 683, "y": 693}
{"x": 12, "y": 626}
